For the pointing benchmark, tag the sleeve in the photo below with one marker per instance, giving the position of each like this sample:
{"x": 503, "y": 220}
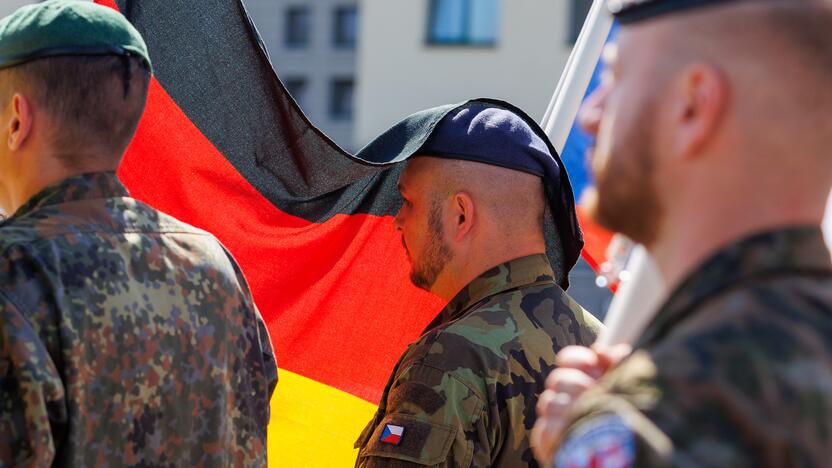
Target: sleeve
{"x": 33, "y": 411}
{"x": 263, "y": 339}
{"x": 269, "y": 360}
{"x": 640, "y": 418}
{"x": 432, "y": 418}
{"x": 621, "y": 440}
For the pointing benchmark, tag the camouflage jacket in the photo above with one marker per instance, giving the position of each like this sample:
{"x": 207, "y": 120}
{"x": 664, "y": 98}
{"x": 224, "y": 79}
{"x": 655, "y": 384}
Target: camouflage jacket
{"x": 464, "y": 394}
{"x": 126, "y": 337}
{"x": 734, "y": 370}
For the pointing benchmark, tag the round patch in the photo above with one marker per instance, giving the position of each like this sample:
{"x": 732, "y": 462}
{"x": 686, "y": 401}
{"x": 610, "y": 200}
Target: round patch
{"x": 601, "y": 442}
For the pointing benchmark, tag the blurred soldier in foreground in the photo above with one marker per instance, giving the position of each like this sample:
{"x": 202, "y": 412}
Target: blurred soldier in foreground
{"x": 475, "y": 190}
{"x": 713, "y": 150}
{"x": 126, "y": 336}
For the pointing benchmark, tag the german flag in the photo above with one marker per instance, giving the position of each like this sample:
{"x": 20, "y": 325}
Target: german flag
{"x": 224, "y": 147}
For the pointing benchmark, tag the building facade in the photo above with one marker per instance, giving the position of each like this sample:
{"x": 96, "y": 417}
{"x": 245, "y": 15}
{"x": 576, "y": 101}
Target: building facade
{"x": 9, "y": 6}
{"x": 415, "y": 54}
{"x": 312, "y": 45}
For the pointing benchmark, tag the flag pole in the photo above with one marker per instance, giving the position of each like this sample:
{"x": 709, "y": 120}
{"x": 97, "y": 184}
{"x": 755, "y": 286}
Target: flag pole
{"x": 569, "y": 93}
{"x": 637, "y": 298}
{"x": 636, "y": 301}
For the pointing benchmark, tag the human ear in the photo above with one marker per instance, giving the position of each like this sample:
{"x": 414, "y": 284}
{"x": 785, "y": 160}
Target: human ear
{"x": 463, "y": 215}
{"x": 700, "y": 99}
{"x": 20, "y": 123}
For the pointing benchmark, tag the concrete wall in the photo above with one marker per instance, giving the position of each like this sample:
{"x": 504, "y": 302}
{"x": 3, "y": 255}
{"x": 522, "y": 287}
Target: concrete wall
{"x": 8, "y": 6}
{"x": 401, "y": 74}
{"x": 319, "y": 62}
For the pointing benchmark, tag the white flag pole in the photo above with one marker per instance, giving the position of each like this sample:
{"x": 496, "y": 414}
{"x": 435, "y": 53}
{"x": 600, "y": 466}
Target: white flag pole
{"x": 569, "y": 93}
{"x": 827, "y": 222}
{"x": 638, "y": 298}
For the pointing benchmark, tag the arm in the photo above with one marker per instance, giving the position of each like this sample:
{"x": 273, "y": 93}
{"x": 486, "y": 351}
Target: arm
{"x": 637, "y": 417}
{"x": 33, "y": 410}
{"x": 263, "y": 339}
{"x": 432, "y": 418}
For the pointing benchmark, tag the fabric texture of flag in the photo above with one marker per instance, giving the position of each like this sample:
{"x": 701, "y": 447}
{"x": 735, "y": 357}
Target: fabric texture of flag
{"x": 222, "y": 146}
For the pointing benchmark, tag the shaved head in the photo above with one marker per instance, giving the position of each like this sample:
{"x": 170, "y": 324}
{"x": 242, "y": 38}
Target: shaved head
{"x": 713, "y": 123}
{"x": 461, "y": 218}
{"x": 510, "y": 199}
{"x": 777, "y": 54}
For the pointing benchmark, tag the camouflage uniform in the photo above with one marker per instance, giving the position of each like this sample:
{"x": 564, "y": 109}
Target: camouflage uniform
{"x": 735, "y": 370}
{"x": 126, "y": 337}
{"x": 465, "y": 392}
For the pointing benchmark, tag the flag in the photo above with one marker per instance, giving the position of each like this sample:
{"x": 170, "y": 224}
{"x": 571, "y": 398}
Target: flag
{"x": 224, "y": 147}
{"x": 596, "y": 238}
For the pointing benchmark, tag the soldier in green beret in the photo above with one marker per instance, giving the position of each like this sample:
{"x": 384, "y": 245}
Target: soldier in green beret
{"x": 126, "y": 336}
{"x": 714, "y": 137}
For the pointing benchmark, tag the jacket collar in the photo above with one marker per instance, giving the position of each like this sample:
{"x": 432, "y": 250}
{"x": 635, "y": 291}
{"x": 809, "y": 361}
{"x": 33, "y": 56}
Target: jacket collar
{"x": 795, "y": 249}
{"x": 87, "y": 186}
{"x": 523, "y": 271}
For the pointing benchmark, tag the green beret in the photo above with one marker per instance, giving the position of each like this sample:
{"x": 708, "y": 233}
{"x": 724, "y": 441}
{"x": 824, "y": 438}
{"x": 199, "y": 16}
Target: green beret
{"x": 67, "y": 27}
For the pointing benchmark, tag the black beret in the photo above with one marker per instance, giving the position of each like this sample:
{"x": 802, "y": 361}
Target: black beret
{"x": 492, "y": 132}
{"x": 631, "y": 11}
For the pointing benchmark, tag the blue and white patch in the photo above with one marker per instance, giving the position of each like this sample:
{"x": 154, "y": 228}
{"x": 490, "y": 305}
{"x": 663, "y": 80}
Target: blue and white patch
{"x": 602, "y": 442}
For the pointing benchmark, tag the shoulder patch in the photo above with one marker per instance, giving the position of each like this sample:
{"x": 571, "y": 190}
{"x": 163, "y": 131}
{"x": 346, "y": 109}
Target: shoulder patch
{"x": 409, "y": 438}
{"x": 601, "y": 442}
{"x": 392, "y": 434}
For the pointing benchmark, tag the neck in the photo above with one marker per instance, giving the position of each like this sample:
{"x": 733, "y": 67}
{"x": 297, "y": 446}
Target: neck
{"x": 20, "y": 188}
{"x": 700, "y": 231}
{"x": 36, "y": 173}
{"x": 464, "y": 269}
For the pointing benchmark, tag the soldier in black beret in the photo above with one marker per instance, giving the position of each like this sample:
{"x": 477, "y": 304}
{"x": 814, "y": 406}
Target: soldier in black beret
{"x": 481, "y": 183}
{"x": 713, "y": 137}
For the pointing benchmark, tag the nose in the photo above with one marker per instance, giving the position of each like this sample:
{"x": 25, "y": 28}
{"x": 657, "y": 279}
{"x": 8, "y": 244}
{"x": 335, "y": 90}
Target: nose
{"x": 592, "y": 110}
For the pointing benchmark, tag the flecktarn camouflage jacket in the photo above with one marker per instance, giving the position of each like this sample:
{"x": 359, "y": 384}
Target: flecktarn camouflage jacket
{"x": 126, "y": 337}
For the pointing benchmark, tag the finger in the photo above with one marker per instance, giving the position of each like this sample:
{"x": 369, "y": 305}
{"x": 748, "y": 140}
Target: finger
{"x": 562, "y": 379}
{"x": 553, "y": 404}
{"x": 610, "y": 356}
{"x": 577, "y": 357}
{"x": 545, "y": 435}
{"x": 572, "y": 382}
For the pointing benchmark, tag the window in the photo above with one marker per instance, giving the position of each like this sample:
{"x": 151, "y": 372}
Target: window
{"x": 346, "y": 26}
{"x": 340, "y": 98}
{"x": 296, "y": 86}
{"x": 297, "y": 26}
{"x": 463, "y": 22}
{"x": 580, "y": 8}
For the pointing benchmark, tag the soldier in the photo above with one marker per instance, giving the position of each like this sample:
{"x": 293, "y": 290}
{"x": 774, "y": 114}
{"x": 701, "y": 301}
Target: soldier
{"x": 475, "y": 189}
{"x": 126, "y": 337}
{"x": 713, "y": 150}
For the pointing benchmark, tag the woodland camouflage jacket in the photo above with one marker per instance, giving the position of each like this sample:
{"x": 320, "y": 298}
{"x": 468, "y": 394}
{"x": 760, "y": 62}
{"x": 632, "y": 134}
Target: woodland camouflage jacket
{"x": 464, "y": 394}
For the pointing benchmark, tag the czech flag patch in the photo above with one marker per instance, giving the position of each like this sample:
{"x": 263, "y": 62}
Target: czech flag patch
{"x": 392, "y": 434}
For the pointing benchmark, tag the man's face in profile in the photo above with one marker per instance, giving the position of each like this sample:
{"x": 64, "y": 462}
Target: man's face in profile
{"x": 621, "y": 115}
{"x": 420, "y": 222}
